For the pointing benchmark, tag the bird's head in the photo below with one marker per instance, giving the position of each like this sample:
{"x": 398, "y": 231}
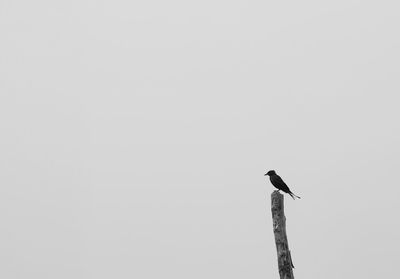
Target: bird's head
{"x": 271, "y": 172}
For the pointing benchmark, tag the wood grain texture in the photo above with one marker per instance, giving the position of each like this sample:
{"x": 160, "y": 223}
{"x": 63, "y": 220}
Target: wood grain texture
{"x": 285, "y": 263}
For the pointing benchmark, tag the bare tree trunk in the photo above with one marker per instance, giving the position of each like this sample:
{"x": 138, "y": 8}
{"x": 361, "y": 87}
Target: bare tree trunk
{"x": 282, "y": 247}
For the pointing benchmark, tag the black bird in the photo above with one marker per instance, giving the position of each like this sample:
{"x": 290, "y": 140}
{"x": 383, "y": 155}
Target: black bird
{"x": 277, "y": 181}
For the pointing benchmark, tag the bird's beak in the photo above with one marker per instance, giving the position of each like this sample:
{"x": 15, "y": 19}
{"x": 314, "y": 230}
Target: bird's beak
{"x": 265, "y": 174}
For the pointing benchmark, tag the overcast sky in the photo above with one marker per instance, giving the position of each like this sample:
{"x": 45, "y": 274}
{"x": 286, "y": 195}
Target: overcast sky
{"x": 135, "y": 136}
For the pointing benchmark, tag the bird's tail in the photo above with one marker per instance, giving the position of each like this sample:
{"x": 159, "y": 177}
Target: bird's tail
{"x": 293, "y": 195}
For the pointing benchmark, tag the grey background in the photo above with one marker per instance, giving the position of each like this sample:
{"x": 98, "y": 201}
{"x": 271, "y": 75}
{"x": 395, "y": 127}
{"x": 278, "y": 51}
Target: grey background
{"x": 135, "y": 136}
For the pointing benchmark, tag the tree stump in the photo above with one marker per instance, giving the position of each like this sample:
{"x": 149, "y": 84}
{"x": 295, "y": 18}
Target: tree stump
{"x": 285, "y": 263}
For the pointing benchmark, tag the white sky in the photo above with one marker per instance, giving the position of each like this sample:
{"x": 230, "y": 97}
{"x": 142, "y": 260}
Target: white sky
{"x": 135, "y": 136}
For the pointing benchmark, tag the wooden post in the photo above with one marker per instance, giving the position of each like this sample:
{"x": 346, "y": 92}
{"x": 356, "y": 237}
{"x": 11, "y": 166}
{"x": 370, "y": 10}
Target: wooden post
{"x": 285, "y": 263}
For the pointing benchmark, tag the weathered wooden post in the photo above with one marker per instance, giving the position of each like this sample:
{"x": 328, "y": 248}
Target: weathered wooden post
{"x": 285, "y": 263}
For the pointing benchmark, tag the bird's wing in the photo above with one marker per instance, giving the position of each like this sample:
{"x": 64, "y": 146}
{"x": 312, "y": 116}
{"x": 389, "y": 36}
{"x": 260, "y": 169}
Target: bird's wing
{"x": 281, "y": 184}
{"x": 279, "y": 181}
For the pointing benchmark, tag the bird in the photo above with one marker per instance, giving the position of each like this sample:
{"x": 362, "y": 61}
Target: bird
{"x": 278, "y": 183}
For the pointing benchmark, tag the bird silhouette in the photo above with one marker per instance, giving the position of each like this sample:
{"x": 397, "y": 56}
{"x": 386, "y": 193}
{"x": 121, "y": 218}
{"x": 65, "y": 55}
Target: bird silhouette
{"x": 278, "y": 183}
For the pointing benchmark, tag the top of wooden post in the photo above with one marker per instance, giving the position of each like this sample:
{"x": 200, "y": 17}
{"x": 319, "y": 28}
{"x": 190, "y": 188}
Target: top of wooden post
{"x": 277, "y": 202}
